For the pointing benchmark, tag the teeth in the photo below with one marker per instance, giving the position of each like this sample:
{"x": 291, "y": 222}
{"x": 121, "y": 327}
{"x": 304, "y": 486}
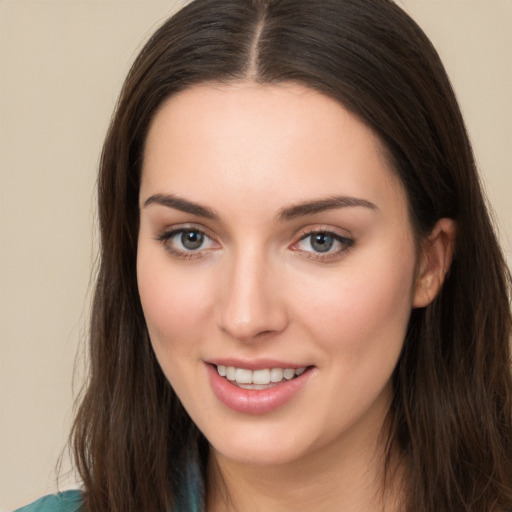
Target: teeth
{"x": 289, "y": 373}
{"x": 243, "y": 376}
{"x": 230, "y": 373}
{"x": 261, "y": 377}
{"x": 258, "y": 377}
{"x": 276, "y": 375}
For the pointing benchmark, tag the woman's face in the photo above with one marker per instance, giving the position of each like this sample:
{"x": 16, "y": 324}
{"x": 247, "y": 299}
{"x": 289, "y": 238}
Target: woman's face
{"x": 276, "y": 267}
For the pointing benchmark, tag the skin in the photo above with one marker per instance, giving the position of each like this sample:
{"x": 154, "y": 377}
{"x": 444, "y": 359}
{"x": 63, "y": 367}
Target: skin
{"x": 257, "y": 288}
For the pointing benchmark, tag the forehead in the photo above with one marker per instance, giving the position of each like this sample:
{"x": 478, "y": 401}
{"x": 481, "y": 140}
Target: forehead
{"x": 282, "y": 142}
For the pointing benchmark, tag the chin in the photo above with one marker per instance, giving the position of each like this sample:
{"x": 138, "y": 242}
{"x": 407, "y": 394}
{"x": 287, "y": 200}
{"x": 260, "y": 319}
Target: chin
{"x": 257, "y": 455}
{"x": 262, "y": 446}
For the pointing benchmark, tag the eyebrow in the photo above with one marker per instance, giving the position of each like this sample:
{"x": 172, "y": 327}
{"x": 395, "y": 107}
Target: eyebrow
{"x": 317, "y": 206}
{"x": 178, "y": 203}
{"x": 285, "y": 214}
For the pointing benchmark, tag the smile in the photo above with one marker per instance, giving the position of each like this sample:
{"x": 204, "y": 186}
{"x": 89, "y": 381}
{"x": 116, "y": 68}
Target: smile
{"x": 258, "y": 391}
{"x": 258, "y": 379}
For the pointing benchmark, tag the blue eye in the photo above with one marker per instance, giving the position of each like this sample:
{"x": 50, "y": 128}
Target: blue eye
{"x": 324, "y": 242}
{"x": 186, "y": 242}
{"x": 191, "y": 240}
{"x": 321, "y": 242}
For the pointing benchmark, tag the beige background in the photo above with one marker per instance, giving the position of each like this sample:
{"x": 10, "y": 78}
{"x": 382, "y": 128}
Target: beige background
{"x": 61, "y": 67}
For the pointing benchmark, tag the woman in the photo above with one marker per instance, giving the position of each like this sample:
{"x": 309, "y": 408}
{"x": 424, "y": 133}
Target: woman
{"x": 301, "y": 303}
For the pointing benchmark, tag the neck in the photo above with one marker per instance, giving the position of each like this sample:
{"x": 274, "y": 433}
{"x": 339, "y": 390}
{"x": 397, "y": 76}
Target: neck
{"x": 346, "y": 475}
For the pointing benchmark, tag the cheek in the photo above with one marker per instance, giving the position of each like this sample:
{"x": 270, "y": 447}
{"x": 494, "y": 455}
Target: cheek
{"x": 175, "y": 306}
{"x": 362, "y": 308}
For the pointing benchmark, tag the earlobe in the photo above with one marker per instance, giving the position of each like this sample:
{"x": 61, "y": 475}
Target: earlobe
{"x": 436, "y": 257}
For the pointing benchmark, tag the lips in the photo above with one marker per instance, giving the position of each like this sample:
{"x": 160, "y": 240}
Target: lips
{"x": 259, "y": 390}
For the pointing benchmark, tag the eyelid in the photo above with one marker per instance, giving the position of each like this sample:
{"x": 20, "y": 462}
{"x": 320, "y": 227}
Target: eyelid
{"x": 346, "y": 240}
{"x": 169, "y": 232}
{"x": 323, "y": 228}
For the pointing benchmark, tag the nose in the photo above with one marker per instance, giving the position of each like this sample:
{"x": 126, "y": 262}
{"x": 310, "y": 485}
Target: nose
{"x": 252, "y": 305}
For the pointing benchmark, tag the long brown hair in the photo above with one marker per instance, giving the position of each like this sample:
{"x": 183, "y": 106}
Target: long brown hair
{"x": 450, "y": 419}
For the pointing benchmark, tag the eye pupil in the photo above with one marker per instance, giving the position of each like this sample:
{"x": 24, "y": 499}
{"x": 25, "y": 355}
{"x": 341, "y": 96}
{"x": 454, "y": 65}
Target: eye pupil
{"x": 192, "y": 239}
{"x": 322, "y": 242}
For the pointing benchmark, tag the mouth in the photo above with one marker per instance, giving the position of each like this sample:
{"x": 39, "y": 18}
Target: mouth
{"x": 260, "y": 379}
{"x": 257, "y": 387}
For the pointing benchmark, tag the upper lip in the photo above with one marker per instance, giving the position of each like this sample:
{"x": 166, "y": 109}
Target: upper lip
{"x": 255, "y": 364}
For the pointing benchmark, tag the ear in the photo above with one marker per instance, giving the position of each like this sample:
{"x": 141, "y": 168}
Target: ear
{"x": 435, "y": 260}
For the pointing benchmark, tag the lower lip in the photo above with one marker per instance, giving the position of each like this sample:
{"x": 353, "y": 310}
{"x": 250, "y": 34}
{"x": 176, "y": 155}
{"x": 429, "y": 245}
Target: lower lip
{"x": 255, "y": 401}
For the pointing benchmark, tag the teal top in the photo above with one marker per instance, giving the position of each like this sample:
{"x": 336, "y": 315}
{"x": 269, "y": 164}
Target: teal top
{"x": 188, "y": 499}
{"x": 67, "y": 501}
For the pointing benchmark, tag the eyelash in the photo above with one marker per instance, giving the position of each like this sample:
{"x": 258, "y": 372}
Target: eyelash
{"x": 166, "y": 236}
{"x": 345, "y": 243}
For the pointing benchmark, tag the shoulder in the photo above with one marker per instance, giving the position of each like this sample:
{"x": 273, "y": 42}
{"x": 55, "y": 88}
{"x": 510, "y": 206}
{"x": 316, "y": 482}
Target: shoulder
{"x": 67, "y": 501}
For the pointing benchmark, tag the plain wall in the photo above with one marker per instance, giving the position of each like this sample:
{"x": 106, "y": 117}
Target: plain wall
{"x": 61, "y": 67}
